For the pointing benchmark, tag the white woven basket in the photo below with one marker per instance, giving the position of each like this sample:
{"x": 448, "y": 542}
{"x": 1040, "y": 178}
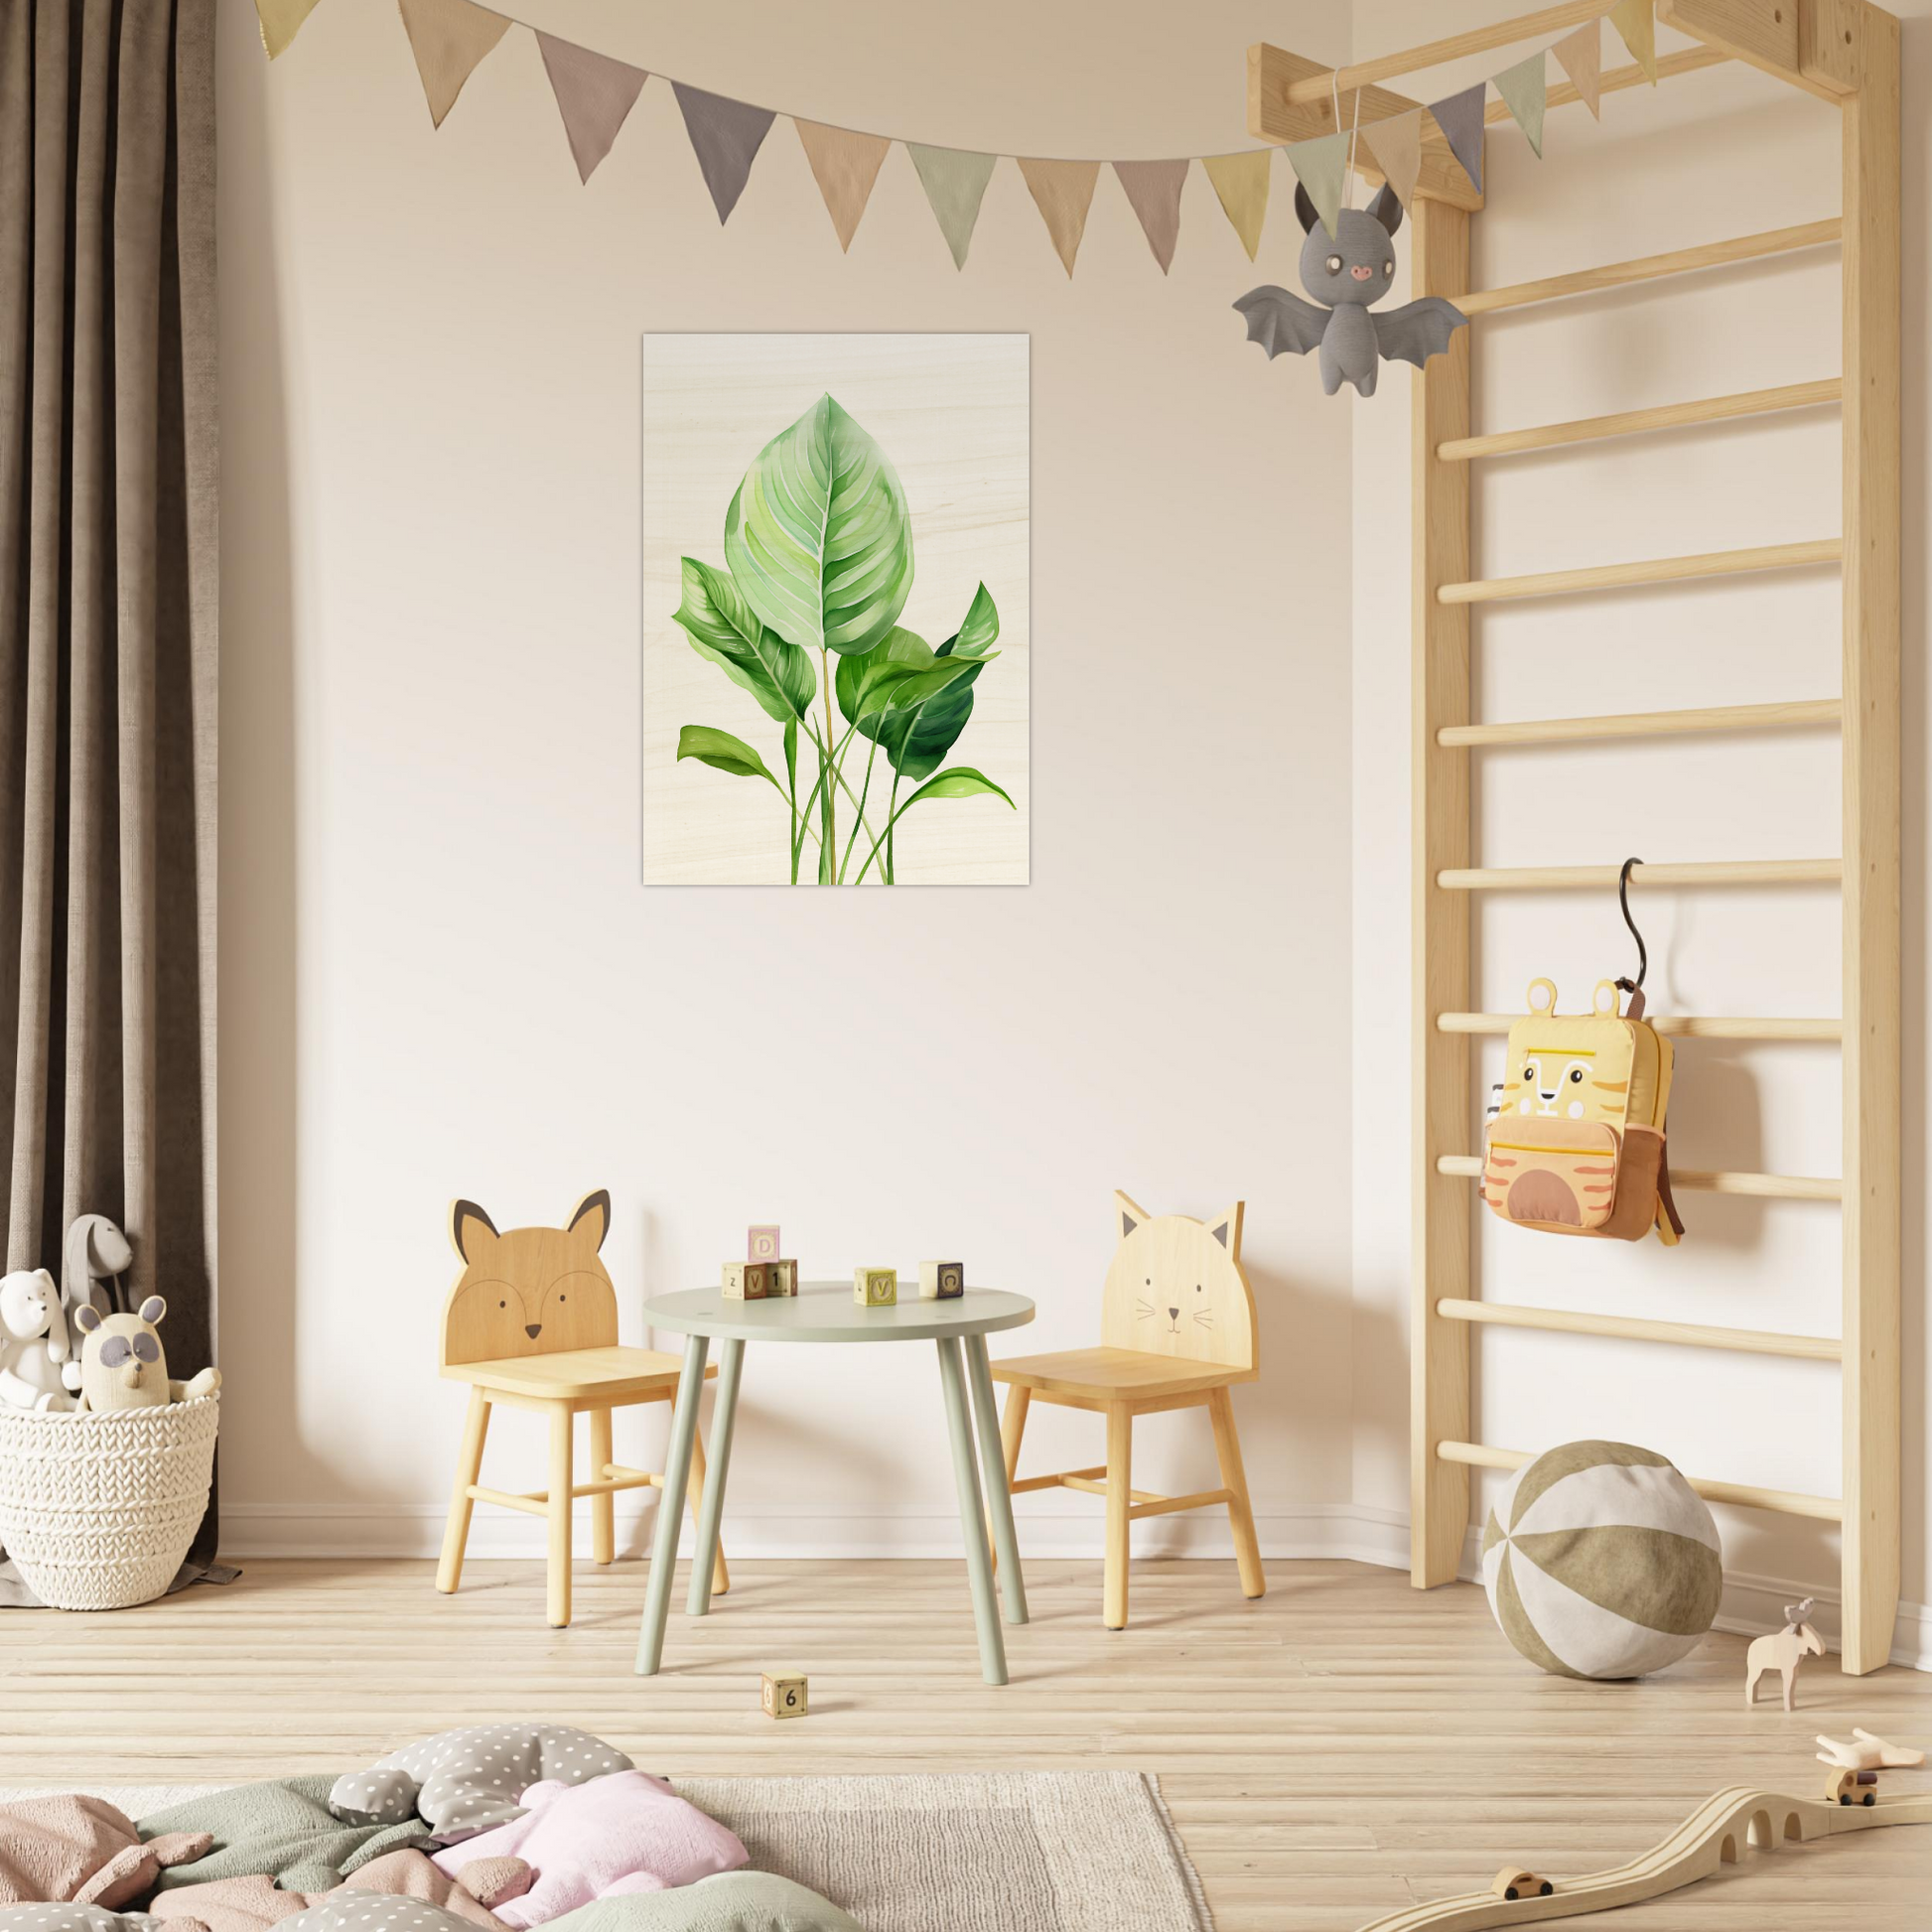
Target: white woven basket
{"x": 99, "y": 1510}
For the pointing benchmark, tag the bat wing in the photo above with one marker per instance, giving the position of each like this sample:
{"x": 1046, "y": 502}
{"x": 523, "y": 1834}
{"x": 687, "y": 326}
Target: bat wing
{"x": 1278, "y": 320}
{"x": 1418, "y": 330}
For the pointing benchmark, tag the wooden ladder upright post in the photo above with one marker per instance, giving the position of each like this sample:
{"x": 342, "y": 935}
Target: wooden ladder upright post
{"x": 1439, "y": 1364}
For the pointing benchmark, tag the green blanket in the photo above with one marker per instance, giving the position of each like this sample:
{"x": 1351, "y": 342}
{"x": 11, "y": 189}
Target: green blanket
{"x": 282, "y": 1828}
{"x": 736, "y": 1901}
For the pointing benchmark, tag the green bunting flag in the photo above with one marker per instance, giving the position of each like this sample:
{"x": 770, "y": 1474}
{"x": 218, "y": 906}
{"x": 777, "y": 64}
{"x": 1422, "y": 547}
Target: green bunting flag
{"x": 1321, "y": 166}
{"x": 1522, "y": 89}
{"x": 954, "y": 180}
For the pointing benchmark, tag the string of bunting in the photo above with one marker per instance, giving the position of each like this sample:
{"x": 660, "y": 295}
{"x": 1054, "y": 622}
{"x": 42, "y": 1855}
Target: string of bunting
{"x": 596, "y": 93}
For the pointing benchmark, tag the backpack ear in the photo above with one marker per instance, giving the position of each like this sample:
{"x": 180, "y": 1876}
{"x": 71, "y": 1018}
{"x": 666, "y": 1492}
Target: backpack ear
{"x": 1127, "y": 1215}
{"x": 1305, "y": 209}
{"x": 1226, "y": 1229}
{"x": 1387, "y": 208}
{"x": 86, "y": 1317}
{"x": 591, "y": 1217}
{"x": 152, "y": 1309}
{"x": 469, "y": 1229}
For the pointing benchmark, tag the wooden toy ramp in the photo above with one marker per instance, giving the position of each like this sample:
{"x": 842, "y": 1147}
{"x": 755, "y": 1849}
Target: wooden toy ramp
{"x": 1709, "y": 1838}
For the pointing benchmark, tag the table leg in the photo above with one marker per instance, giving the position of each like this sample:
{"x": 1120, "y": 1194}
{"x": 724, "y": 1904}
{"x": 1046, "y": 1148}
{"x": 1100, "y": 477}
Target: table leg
{"x": 724, "y": 1411}
{"x": 670, "y": 1507}
{"x": 979, "y": 1562}
{"x": 993, "y": 1464}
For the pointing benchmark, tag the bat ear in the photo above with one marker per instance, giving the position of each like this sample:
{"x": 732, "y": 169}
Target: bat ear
{"x": 1304, "y": 209}
{"x": 1387, "y": 208}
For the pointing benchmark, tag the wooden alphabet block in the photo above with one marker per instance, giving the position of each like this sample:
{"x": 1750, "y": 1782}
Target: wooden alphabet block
{"x": 941, "y": 1280}
{"x": 783, "y": 1695}
{"x": 874, "y": 1288}
{"x": 781, "y": 1278}
{"x": 760, "y": 1242}
{"x": 746, "y": 1281}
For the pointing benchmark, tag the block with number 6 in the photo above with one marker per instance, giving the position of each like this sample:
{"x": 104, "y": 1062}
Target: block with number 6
{"x": 782, "y": 1696}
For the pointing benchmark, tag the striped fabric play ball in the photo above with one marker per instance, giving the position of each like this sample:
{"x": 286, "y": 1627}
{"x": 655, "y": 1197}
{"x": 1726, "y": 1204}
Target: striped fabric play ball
{"x": 1601, "y": 1560}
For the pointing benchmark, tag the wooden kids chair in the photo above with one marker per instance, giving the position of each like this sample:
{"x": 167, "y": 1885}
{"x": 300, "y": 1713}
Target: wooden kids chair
{"x": 1177, "y": 1330}
{"x": 532, "y": 1321}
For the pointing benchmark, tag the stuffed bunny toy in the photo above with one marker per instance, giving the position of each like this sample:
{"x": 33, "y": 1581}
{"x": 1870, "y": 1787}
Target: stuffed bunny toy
{"x": 95, "y": 1250}
{"x": 123, "y": 1366}
{"x": 36, "y": 1371}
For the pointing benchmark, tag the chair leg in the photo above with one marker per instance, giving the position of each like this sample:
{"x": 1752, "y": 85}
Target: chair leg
{"x": 469, "y": 1465}
{"x": 561, "y": 1481}
{"x": 1013, "y": 1425}
{"x": 1234, "y": 1480}
{"x": 603, "y": 1508}
{"x": 721, "y": 1577}
{"x": 1120, "y": 1495}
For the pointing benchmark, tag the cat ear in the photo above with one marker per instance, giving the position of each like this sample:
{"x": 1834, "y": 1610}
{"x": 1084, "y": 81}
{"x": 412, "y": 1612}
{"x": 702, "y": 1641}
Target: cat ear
{"x": 590, "y": 1220}
{"x": 1305, "y": 209}
{"x": 471, "y": 1231}
{"x": 1226, "y": 1229}
{"x": 1387, "y": 208}
{"x": 1127, "y": 1215}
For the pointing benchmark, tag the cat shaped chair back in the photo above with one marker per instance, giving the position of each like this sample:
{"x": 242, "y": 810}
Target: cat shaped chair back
{"x": 1176, "y": 1286}
{"x": 529, "y": 1291}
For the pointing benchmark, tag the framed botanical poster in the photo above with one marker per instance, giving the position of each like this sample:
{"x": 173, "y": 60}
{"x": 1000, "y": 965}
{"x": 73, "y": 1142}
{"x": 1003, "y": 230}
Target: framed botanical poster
{"x": 835, "y": 654}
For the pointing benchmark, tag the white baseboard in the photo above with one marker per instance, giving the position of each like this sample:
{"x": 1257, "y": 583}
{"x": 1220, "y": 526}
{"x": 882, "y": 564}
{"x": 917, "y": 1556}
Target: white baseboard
{"x": 1352, "y": 1531}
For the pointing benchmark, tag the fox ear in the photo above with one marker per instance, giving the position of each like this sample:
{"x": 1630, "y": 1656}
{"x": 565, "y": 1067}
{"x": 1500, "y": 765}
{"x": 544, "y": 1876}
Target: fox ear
{"x": 1127, "y": 1215}
{"x": 470, "y": 1229}
{"x": 1226, "y": 1229}
{"x": 591, "y": 1217}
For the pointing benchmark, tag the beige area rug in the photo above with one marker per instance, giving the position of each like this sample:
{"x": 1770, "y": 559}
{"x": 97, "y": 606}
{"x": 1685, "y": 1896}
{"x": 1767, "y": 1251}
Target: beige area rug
{"x": 972, "y": 1852}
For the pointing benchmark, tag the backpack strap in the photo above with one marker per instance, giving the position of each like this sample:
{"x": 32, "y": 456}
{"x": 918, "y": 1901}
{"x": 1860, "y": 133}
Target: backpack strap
{"x": 1663, "y": 1199}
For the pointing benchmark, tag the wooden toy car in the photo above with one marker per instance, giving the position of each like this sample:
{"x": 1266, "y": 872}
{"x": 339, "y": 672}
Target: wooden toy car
{"x": 1512, "y": 1881}
{"x": 1851, "y": 1787}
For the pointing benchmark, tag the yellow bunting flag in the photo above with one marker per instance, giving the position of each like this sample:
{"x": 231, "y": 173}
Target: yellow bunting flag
{"x": 954, "y": 180}
{"x": 1154, "y": 192}
{"x": 449, "y": 38}
{"x": 1241, "y": 181}
{"x": 1523, "y": 92}
{"x": 594, "y": 96}
{"x": 1064, "y": 191}
{"x": 1581, "y": 57}
{"x": 1321, "y": 166}
{"x": 280, "y": 20}
{"x": 845, "y": 165}
{"x": 1396, "y": 144}
{"x": 1637, "y": 25}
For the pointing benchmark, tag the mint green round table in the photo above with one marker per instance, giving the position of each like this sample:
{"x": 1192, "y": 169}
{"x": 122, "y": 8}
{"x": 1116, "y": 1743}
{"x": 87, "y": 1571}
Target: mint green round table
{"x": 824, "y": 1312}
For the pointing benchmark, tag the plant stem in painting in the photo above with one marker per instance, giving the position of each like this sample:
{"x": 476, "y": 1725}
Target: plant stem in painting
{"x": 818, "y": 566}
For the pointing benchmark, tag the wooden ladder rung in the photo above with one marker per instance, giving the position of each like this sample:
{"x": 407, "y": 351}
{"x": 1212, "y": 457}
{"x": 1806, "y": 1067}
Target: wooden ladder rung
{"x": 1648, "y": 724}
{"x": 1648, "y": 570}
{"x": 1628, "y": 1328}
{"x": 1826, "y": 1509}
{"x": 1686, "y": 1025}
{"x": 1167, "y": 1506}
{"x": 1636, "y": 422}
{"x": 1768, "y": 1187}
{"x": 1701, "y": 872}
{"x": 1650, "y": 268}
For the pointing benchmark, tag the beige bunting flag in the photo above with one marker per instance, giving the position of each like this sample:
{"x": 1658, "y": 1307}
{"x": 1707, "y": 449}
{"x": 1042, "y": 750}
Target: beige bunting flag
{"x": 1581, "y": 55}
{"x": 449, "y": 38}
{"x": 1321, "y": 166}
{"x": 845, "y": 165}
{"x": 594, "y": 96}
{"x": 1241, "y": 182}
{"x": 1154, "y": 192}
{"x": 1396, "y": 144}
{"x": 1523, "y": 92}
{"x": 1064, "y": 191}
{"x": 1636, "y": 24}
{"x": 954, "y": 180}
{"x": 280, "y": 20}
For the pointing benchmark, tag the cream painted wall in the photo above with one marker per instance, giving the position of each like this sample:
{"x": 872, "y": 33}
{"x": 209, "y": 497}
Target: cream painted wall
{"x": 1718, "y": 155}
{"x": 440, "y": 973}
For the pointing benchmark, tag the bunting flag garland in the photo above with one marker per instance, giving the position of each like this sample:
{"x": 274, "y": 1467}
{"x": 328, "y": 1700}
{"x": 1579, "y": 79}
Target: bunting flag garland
{"x": 280, "y": 20}
{"x": 1241, "y": 183}
{"x": 1064, "y": 191}
{"x": 1154, "y": 192}
{"x": 1461, "y": 119}
{"x": 1581, "y": 55}
{"x": 1396, "y": 144}
{"x": 954, "y": 180}
{"x": 1321, "y": 166}
{"x": 1523, "y": 92}
{"x": 726, "y": 136}
{"x": 449, "y": 38}
{"x": 1636, "y": 26}
{"x": 594, "y": 95}
{"x": 845, "y": 164}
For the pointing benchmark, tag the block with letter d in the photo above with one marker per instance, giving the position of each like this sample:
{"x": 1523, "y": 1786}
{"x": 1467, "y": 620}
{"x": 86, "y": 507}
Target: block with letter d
{"x": 874, "y": 1288}
{"x": 761, "y": 1242}
{"x": 941, "y": 1280}
{"x": 746, "y": 1281}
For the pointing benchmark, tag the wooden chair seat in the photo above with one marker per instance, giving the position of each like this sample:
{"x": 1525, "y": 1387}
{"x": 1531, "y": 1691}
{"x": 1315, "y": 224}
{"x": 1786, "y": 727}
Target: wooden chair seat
{"x": 1103, "y": 1375}
{"x": 606, "y": 1374}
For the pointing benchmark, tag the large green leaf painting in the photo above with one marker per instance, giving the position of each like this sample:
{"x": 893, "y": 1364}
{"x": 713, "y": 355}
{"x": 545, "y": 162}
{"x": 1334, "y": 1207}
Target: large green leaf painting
{"x": 914, "y": 704}
{"x": 722, "y": 626}
{"x": 817, "y": 537}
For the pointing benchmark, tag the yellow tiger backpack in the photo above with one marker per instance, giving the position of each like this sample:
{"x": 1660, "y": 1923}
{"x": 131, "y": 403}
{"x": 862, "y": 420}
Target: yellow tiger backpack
{"x": 1574, "y": 1142}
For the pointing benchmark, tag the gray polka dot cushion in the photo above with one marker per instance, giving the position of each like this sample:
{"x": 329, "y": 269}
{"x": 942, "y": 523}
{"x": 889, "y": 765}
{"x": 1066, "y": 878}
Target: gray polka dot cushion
{"x": 372, "y": 1912}
{"x": 460, "y": 1782}
{"x": 82, "y": 1918}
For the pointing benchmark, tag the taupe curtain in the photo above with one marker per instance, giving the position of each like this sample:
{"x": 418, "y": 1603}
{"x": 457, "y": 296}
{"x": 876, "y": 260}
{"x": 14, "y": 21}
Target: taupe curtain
{"x": 108, "y": 586}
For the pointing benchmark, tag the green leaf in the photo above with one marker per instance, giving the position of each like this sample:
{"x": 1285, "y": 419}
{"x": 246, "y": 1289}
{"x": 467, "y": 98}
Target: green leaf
{"x": 791, "y": 756}
{"x": 724, "y": 628}
{"x": 723, "y": 753}
{"x": 917, "y": 753}
{"x": 818, "y": 538}
{"x": 979, "y": 632}
{"x": 960, "y": 781}
{"x": 897, "y": 674}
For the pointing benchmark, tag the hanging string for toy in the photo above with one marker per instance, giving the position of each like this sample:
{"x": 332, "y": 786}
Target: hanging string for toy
{"x": 1354, "y": 135}
{"x": 1643, "y": 952}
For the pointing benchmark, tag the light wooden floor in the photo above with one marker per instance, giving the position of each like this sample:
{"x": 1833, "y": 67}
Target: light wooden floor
{"x": 1342, "y": 1746}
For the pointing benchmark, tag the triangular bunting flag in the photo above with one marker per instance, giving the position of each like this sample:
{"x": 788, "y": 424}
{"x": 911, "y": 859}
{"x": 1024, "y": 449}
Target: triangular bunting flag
{"x": 1064, "y": 191}
{"x": 449, "y": 37}
{"x": 1522, "y": 89}
{"x": 1461, "y": 119}
{"x": 726, "y": 136}
{"x": 1320, "y": 167}
{"x": 1637, "y": 25}
{"x": 1241, "y": 181}
{"x": 1154, "y": 192}
{"x": 280, "y": 20}
{"x": 845, "y": 164}
{"x": 954, "y": 180}
{"x": 1581, "y": 57}
{"x": 594, "y": 94}
{"x": 1396, "y": 144}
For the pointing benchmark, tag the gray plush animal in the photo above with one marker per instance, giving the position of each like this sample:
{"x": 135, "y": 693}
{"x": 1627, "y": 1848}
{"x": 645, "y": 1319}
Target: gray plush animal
{"x": 1345, "y": 273}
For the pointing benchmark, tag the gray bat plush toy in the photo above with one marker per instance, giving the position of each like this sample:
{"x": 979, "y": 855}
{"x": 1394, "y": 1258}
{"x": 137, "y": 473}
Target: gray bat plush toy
{"x": 1347, "y": 272}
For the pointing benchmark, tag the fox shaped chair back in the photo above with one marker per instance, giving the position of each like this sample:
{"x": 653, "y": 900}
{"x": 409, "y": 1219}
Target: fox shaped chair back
{"x": 1176, "y": 1288}
{"x": 529, "y": 1291}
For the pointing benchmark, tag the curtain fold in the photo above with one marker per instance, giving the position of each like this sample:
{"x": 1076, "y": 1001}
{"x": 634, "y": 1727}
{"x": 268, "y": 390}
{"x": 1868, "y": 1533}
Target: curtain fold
{"x": 109, "y": 652}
